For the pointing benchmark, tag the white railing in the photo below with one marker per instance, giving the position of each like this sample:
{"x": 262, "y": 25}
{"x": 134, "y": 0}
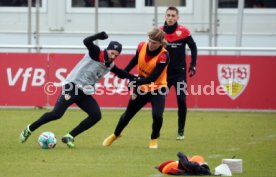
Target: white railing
{"x": 41, "y": 47}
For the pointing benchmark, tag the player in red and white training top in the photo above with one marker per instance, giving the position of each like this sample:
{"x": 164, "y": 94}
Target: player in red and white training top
{"x": 177, "y": 37}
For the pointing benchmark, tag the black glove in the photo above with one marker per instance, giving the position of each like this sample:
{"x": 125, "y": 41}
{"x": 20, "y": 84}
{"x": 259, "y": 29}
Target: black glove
{"x": 192, "y": 70}
{"x": 102, "y": 35}
{"x": 132, "y": 85}
{"x": 132, "y": 77}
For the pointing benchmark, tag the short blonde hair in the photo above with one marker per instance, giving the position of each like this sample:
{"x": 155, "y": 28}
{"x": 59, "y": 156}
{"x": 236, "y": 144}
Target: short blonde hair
{"x": 157, "y": 34}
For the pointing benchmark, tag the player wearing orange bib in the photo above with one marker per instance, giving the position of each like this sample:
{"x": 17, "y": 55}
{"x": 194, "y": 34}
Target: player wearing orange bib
{"x": 146, "y": 66}
{"x": 151, "y": 87}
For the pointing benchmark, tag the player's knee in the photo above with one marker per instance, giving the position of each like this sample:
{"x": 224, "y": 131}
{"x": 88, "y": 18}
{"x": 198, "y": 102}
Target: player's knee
{"x": 96, "y": 116}
{"x": 182, "y": 103}
{"x": 157, "y": 116}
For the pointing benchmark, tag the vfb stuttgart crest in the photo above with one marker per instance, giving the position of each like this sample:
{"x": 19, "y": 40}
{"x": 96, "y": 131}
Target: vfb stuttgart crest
{"x": 233, "y": 78}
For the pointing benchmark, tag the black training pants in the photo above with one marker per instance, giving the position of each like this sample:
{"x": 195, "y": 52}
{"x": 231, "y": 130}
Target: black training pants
{"x": 180, "y": 85}
{"x": 157, "y": 101}
{"x": 86, "y": 102}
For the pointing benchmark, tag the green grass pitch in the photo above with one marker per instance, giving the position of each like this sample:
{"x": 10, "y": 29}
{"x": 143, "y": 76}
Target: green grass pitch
{"x": 250, "y": 136}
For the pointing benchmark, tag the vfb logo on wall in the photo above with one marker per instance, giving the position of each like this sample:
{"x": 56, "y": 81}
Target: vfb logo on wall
{"x": 233, "y": 78}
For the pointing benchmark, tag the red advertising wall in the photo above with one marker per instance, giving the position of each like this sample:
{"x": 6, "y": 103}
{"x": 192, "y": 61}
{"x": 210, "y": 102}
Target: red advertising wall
{"x": 221, "y": 82}
{"x": 255, "y": 75}
{"x": 22, "y": 77}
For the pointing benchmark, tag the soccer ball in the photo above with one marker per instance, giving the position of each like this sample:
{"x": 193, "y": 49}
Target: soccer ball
{"x": 47, "y": 140}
